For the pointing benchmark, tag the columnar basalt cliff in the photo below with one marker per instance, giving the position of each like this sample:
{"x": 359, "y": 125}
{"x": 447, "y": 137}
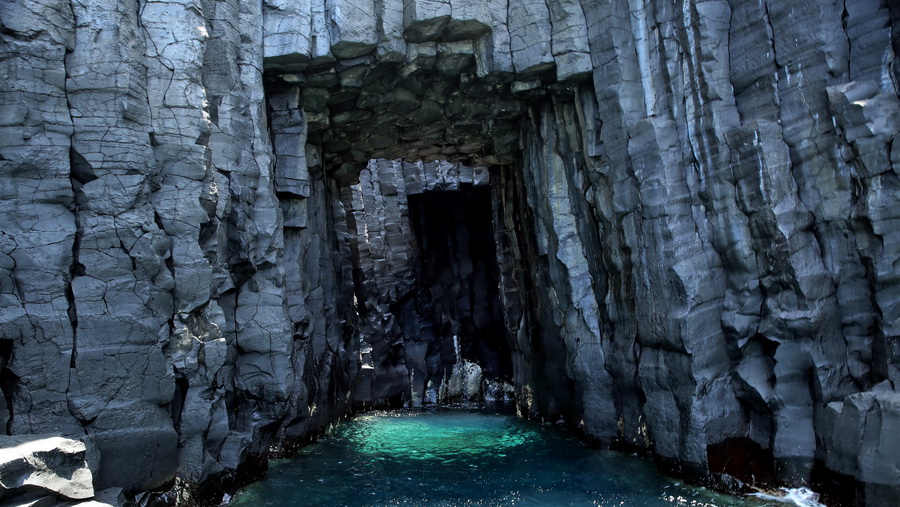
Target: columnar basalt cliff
{"x": 675, "y": 225}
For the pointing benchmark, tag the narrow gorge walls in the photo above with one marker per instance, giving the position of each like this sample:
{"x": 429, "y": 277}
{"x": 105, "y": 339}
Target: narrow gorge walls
{"x": 217, "y": 226}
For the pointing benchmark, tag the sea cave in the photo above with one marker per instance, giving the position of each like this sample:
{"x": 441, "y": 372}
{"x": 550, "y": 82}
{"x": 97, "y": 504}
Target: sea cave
{"x": 669, "y": 229}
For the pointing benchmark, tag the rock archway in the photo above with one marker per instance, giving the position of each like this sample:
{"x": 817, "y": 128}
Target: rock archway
{"x": 694, "y": 208}
{"x": 398, "y": 137}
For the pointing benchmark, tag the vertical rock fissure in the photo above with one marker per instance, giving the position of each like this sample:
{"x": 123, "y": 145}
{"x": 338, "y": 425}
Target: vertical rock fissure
{"x": 80, "y": 172}
{"x": 570, "y": 125}
{"x": 76, "y": 269}
{"x": 9, "y": 384}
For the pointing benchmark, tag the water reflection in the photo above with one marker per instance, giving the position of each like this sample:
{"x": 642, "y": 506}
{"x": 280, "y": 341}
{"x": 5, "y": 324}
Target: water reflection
{"x": 466, "y": 458}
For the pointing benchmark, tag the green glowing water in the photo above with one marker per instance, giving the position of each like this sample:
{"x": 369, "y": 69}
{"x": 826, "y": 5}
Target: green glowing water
{"x": 465, "y": 458}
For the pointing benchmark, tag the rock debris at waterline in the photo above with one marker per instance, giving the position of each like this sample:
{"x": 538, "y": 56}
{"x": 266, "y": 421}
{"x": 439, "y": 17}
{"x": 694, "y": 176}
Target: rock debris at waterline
{"x": 684, "y": 238}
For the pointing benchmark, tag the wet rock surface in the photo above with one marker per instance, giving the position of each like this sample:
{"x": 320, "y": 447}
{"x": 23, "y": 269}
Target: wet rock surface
{"x": 693, "y": 205}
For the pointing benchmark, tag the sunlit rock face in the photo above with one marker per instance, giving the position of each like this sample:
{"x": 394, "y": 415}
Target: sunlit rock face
{"x": 693, "y": 205}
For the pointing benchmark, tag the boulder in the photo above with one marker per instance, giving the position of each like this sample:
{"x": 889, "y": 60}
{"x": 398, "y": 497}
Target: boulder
{"x": 45, "y": 463}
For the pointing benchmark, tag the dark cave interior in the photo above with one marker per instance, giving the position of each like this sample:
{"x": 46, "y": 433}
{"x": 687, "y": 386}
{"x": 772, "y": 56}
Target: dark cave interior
{"x": 458, "y": 267}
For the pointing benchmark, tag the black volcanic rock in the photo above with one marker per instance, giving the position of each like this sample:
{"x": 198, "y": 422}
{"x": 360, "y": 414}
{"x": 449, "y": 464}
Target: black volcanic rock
{"x": 223, "y": 224}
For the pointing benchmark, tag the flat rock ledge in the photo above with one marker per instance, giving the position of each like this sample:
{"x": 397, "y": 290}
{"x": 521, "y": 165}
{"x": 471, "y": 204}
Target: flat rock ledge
{"x": 50, "y": 470}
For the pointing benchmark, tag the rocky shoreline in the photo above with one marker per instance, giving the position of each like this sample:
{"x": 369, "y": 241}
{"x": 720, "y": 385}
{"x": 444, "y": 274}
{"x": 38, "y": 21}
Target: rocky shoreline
{"x": 227, "y": 224}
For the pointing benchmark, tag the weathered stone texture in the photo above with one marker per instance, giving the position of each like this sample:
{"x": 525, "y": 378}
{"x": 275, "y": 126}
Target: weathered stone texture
{"x": 45, "y": 465}
{"x": 153, "y": 231}
{"x": 694, "y": 208}
{"x": 39, "y": 228}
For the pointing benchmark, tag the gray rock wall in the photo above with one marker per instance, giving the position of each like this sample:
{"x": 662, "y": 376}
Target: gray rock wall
{"x": 155, "y": 294}
{"x": 695, "y": 207}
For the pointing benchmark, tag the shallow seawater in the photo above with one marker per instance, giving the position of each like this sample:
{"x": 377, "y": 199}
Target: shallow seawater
{"x": 466, "y": 458}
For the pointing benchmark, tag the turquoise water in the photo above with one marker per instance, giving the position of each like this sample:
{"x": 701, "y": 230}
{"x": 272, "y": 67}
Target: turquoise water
{"x": 465, "y": 458}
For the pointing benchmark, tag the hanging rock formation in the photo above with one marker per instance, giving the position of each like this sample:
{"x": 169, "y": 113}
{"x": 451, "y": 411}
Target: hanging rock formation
{"x": 694, "y": 206}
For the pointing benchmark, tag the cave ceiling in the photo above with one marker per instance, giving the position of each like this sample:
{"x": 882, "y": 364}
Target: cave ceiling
{"x": 443, "y": 100}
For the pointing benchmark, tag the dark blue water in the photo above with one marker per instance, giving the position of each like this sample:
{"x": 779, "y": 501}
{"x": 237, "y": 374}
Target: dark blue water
{"x": 466, "y": 458}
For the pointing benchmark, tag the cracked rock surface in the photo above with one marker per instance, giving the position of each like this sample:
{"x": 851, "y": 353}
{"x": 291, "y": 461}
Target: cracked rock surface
{"x": 225, "y": 223}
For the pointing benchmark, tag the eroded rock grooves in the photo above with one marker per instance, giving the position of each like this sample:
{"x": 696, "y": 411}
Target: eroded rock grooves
{"x": 694, "y": 208}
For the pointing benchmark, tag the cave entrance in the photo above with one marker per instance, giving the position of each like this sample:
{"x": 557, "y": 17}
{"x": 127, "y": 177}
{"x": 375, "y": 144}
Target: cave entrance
{"x": 426, "y": 284}
{"x": 458, "y": 268}
{"x": 403, "y": 141}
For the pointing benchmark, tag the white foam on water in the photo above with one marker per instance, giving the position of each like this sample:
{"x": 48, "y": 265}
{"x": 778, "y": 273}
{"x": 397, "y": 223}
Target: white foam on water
{"x": 802, "y": 497}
